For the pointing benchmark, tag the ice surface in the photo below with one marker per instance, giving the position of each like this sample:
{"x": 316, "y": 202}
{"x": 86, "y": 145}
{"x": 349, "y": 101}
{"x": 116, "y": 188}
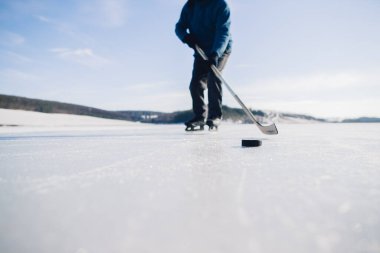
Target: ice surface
{"x": 149, "y": 188}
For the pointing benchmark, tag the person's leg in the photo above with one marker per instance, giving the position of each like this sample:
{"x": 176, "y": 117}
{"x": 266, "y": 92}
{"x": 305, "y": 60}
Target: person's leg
{"x": 215, "y": 91}
{"x": 197, "y": 86}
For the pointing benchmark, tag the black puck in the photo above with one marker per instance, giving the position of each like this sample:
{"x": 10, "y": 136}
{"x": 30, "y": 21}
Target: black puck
{"x": 251, "y": 143}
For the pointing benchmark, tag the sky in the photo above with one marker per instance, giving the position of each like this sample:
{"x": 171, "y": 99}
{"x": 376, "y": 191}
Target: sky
{"x": 320, "y": 58}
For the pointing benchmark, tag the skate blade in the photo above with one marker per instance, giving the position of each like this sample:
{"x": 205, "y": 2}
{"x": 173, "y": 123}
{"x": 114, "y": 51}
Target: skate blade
{"x": 194, "y": 129}
{"x": 213, "y": 128}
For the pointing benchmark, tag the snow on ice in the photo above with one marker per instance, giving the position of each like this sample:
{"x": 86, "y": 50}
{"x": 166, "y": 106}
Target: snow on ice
{"x": 129, "y": 187}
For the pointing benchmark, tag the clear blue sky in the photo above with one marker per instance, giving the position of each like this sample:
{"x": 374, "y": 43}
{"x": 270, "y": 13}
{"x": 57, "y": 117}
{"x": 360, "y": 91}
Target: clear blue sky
{"x": 315, "y": 57}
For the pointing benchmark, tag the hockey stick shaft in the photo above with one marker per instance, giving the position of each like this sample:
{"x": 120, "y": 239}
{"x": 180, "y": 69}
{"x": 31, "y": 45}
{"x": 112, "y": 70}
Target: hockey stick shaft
{"x": 270, "y": 130}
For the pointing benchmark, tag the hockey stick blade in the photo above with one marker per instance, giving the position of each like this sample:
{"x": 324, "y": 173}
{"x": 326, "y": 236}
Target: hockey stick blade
{"x": 269, "y": 130}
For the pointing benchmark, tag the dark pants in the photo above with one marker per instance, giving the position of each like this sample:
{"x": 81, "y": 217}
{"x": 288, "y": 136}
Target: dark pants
{"x": 203, "y": 78}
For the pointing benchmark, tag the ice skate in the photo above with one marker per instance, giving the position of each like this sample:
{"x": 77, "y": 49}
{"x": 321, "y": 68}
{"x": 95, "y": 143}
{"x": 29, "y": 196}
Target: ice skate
{"x": 195, "y": 124}
{"x": 213, "y": 123}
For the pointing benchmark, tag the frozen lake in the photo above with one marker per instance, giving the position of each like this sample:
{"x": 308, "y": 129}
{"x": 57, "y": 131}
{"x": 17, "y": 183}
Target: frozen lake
{"x": 149, "y": 188}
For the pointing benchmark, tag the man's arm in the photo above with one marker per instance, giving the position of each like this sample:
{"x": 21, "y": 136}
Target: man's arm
{"x": 182, "y": 24}
{"x": 222, "y": 36}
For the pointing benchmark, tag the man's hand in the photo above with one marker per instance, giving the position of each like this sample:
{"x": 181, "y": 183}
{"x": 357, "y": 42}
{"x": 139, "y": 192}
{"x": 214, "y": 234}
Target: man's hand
{"x": 190, "y": 41}
{"x": 213, "y": 59}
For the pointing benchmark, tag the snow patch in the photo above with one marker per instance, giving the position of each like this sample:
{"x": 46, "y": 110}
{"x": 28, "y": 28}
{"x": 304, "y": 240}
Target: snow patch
{"x": 14, "y": 118}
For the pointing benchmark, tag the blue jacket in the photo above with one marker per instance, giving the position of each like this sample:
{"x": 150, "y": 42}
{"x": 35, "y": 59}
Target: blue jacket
{"x": 209, "y": 22}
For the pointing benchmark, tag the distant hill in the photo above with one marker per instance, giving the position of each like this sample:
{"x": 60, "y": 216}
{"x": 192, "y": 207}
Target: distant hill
{"x": 229, "y": 114}
{"x": 362, "y": 120}
{"x": 298, "y": 118}
{"x": 38, "y": 105}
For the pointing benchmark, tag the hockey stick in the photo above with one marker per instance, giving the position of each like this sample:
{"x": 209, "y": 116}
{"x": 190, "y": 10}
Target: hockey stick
{"x": 270, "y": 130}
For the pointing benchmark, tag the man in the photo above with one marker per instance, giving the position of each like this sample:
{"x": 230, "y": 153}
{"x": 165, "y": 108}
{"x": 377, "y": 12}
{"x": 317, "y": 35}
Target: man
{"x": 206, "y": 23}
